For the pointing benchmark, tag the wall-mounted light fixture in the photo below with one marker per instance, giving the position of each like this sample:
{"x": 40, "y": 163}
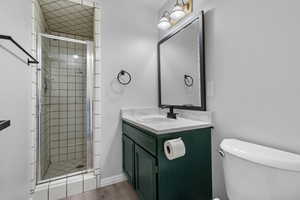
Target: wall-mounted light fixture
{"x": 179, "y": 11}
{"x": 164, "y": 22}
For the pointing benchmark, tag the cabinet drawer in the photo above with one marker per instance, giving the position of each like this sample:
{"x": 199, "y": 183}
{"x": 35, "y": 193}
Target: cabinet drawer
{"x": 144, "y": 140}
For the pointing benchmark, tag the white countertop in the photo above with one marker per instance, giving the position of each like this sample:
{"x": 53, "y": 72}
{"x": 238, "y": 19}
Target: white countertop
{"x": 155, "y": 120}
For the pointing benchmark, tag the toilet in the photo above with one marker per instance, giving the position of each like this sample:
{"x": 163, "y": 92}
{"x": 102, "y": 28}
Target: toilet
{"x": 255, "y": 172}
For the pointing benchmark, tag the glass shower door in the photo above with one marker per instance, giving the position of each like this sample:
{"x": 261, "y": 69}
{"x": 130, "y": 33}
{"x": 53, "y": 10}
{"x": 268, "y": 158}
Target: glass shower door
{"x": 64, "y": 107}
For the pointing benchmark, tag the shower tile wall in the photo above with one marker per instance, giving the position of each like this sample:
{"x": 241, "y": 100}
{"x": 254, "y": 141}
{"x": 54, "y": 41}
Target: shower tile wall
{"x": 40, "y": 26}
{"x": 45, "y": 112}
{"x": 66, "y": 107}
{"x": 67, "y": 101}
{"x": 72, "y": 36}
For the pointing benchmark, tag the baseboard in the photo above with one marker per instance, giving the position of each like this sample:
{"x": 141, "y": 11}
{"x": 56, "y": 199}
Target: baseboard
{"x": 113, "y": 180}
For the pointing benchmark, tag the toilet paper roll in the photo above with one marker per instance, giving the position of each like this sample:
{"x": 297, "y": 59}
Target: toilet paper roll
{"x": 174, "y": 148}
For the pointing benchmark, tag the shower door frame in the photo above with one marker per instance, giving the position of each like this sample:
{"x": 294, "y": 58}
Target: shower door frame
{"x": 89, "y": 105}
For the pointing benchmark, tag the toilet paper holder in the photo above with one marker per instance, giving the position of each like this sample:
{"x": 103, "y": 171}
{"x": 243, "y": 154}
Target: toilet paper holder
{"x": 174, "y": 148}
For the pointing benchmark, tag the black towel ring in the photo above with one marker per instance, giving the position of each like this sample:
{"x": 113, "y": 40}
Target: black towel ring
{"x": 188, "y": 80}
{"x": 123, "y": 73}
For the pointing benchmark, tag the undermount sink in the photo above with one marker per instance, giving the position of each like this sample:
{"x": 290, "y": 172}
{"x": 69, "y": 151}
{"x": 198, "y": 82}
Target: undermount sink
{"x": 155, "y": 119}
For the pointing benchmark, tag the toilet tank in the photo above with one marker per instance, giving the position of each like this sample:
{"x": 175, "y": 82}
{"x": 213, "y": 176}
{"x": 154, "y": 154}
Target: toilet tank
{"x": 255, "y": 172}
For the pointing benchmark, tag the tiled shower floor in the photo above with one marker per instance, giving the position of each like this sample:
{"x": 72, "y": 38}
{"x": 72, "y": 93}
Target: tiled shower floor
{"x": 64, "y": 167}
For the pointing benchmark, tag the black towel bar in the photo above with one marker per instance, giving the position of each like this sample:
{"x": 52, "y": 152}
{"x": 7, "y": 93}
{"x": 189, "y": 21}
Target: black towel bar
{"x": 122, "y": 73}
{"x": 32, "y": 61}
{"x": 4, "y": 124}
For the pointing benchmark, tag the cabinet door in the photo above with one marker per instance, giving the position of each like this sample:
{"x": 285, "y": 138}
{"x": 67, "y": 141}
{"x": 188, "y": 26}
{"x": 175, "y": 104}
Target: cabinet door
{"x": 128, "y": 158}
{"x": 145, "y": 173}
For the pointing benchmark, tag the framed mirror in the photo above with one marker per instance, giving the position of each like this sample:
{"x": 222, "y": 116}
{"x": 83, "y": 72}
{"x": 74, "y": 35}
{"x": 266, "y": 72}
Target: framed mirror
{"x": 181, "y": 67}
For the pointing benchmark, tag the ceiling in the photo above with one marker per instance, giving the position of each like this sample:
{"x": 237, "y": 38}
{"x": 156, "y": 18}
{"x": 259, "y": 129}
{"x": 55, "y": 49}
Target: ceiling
{"x": 65, "y": 16}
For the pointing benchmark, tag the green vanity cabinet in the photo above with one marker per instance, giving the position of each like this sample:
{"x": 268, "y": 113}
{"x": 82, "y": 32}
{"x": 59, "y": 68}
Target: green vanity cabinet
{"x": 128, "y": 159}
{"x": 145, "y": 174}
{"x": 154, "y": 177}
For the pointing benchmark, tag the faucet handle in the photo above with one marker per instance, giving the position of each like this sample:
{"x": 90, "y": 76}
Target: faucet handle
{"x": 171, "y": 114}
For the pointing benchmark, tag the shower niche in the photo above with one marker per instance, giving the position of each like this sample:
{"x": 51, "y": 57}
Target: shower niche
{"x": 64, "y": 125}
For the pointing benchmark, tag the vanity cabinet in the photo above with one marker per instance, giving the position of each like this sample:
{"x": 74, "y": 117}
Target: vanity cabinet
{"x": 154, "y": 177}
{"x": 128, "y": 159}
{"x": 145, "y": 174}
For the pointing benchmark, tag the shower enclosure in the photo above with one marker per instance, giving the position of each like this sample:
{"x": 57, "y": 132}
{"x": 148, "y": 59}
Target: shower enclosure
{"x": 64, "y": 109}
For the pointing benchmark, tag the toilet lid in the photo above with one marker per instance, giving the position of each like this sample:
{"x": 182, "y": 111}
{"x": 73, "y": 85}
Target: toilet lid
{"x": 261, "y": 154}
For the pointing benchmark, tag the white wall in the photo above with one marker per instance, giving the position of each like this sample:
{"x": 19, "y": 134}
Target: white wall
{"x": 15, "y": 95}
{"x": 252, "y": 56}
{"x": 129, "y": 37}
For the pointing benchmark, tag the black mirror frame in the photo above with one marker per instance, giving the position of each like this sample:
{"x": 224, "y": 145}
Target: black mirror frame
{"x": 202, "y": 67}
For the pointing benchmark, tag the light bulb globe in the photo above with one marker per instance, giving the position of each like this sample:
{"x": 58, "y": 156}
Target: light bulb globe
{"x": 164, "y": 23}
{"x": 177, "y": 13}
